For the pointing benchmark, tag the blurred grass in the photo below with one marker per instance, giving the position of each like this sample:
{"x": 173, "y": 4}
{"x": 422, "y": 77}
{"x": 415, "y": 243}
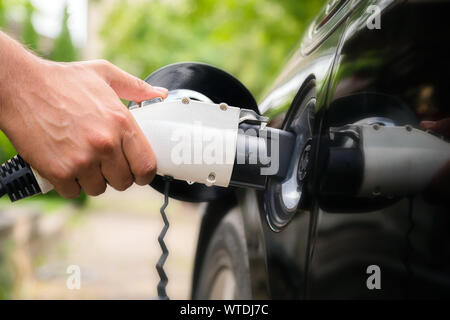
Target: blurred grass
{"x": 6, "y": 269}
{"x": 45, "y": 205}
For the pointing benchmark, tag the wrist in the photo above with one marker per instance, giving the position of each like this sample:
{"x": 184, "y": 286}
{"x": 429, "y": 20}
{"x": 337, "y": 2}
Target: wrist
{"x": 19, "y": 71}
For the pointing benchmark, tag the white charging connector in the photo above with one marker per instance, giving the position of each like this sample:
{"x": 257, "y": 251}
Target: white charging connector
{"x": 192, "y": 141}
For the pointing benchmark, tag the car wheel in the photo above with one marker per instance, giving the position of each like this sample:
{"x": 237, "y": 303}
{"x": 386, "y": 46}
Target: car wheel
{"x": 225, "y": 271}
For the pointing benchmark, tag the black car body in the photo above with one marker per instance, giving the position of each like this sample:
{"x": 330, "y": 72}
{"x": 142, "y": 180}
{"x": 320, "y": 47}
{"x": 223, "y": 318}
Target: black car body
{"x": 347, "y": 70}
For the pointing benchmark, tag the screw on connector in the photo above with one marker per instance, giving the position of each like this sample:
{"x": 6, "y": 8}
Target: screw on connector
{"x": 161, "y": 288}
{"x": 212, "y": 177}
{"x": 377, "y": 191}
{"x": 185, "y": 100}
{"x": 223, "y": 106}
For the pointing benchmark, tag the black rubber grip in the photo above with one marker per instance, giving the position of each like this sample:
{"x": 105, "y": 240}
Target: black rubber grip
{"x": 17, "y": 179}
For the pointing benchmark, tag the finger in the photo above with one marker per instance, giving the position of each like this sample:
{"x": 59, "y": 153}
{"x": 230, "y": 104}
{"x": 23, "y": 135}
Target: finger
{"x": 130, "y": 87}
{"x": 427, "y": 125}
{"x": 60, "y": 177}
{"x": 67, "y": 189}
{"x": 139, "y": 155}
{"x": 439, "y": 189}
{"x": 117, "y": 172}
{"x": 442, "y": 127}
{"x": 92, "y": 181}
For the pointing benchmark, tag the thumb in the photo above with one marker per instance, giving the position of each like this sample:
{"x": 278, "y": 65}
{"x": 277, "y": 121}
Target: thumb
{"x": 130, "y": 87}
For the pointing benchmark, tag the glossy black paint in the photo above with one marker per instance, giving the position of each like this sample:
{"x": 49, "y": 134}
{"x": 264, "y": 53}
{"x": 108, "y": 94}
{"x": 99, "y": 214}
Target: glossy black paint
{"x": 406, "y": 64}
{"x": 400, "y": 71}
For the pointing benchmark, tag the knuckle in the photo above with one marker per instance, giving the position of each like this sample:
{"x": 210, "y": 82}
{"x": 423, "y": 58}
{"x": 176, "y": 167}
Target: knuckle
{"x": 69, "y": 194}
{"x": 82, "y": 162}
{"x": 96, "y": 191}
{"x": 122, "y": 119}
{"x": 146, "y": 171}
{"x": 124, "y": 185}
{"x": 61, "y": 173}
{"x": 101, "y": 67}
{"x": 102, "y": 63}
{"x": 103, "y": 143}
{"x": 73, "y": 195}
{"x": 140, "y": 84}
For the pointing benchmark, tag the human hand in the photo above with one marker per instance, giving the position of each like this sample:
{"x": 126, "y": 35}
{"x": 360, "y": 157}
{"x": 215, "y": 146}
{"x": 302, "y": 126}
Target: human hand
{"x": 67, "y": 121}
{"x": 439, "y": 188}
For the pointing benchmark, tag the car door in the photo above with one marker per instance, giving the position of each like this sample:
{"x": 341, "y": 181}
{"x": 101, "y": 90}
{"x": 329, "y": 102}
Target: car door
{"x": 398, "y": 72}
{"x": 277, "y": 229}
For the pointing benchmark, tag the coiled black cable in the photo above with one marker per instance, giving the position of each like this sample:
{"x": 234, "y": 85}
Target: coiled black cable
{"x": 162, "y": 295}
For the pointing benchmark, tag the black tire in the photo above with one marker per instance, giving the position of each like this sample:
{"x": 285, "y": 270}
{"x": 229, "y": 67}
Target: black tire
{"x": 225, "y": 263}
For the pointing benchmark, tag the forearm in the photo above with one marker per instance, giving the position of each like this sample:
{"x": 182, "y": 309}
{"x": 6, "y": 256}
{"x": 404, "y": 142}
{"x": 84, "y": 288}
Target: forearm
{"x": 17, "y": 65}
{"x": 67, "y": 121}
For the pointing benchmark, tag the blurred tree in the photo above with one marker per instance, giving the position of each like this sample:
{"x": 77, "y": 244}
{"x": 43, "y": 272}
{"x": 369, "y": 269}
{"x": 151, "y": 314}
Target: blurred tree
{"x": 8, "y": 5}
{"x": 249, "y": 38}
{"x": 2, "y": 14}
{"x": 29, "y": 35}
{"x": 63, "y": 49}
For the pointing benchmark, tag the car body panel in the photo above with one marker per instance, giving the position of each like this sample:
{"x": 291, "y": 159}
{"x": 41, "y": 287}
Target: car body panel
{"x": 400, "y": 72}
{"x": 404, "y": 61}
{"x": 283, "y": 255}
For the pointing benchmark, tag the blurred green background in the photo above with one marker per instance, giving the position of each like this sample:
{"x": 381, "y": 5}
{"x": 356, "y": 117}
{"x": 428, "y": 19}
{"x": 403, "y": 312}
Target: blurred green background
{"x": 252, "y": 39}
{"x": 249, "y": 38}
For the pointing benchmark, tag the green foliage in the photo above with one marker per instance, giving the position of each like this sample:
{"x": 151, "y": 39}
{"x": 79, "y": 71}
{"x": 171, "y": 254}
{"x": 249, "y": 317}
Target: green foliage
{"x": 6, "y": 149}
{"x": 29, "y": 35}
{"x": 2, "y": 14}
{"x": 63, "y": 49}
{"x": 249, "y": 38}
{"x": 8, "y": 5}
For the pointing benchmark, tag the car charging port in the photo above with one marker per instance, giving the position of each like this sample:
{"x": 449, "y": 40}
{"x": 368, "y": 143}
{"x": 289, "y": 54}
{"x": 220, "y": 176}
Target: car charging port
{"x": 287, "y": 194}
{"x": 261, "y": 153}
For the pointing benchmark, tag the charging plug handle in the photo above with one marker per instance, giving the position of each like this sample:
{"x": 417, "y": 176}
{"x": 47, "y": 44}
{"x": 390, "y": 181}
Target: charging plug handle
{"x": 17, "y": 179}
